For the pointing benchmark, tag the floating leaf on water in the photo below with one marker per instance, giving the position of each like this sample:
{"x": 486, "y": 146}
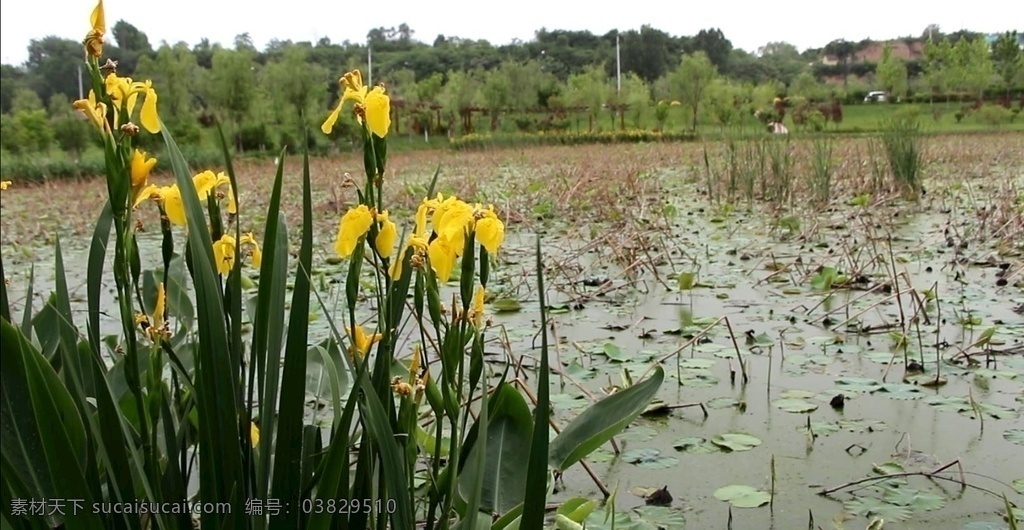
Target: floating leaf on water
{"x": 614, "y": 353}
{"x": 919, "y": 501}
{"x": 797, "y": 394}
{"x": 1014, "y": 436}
{"x": 637, "y": 433}
{"x": 660, "y": 516}
{"x": 506, "y": 305}
{"x": 742, "y": 496}
{"x": 1001, "y": 374}
{"x": 735, "y": 441}
{"x": 1019, "y": 485}
{"x": 888, "y": 468}
{"x": 900, "y": 391}
{"x": 870, "y": 506}
{"x": 984, "y": 526}
{"x": 792, "y": 291}
{"x": 649, "y": 458}
{"x": 795, "y": 405}
{"x": 695, "y": 445}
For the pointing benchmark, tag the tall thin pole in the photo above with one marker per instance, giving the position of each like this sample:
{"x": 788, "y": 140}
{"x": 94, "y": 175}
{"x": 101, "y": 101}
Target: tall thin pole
{"x": 81, "y": 89}
{"x": 618, "y": 65}
{"x": 369, "y": 63}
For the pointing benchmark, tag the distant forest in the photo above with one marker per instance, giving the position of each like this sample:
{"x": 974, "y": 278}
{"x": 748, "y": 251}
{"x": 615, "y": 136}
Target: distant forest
{"x": 260, "y": 94}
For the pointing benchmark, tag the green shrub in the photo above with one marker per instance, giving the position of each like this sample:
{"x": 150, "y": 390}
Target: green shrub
{"x": 994, "y": 115}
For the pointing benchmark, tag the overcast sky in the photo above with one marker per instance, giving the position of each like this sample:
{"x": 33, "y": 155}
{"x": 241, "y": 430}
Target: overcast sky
{"x": 748, "y": 24}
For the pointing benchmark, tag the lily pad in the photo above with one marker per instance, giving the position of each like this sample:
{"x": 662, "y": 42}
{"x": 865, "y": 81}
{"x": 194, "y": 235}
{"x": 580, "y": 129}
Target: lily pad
{"x": 1019, "y": 485}
{"x": 649, "y": 458}
{"x": 863, "y": 385}
{"x": 695, "y": 445}
{"x": 900, "y": 391}
{"x": 919, "y": 501}
{"x": 638, "y": 433}
{"x": 742, "y": 496}
{"x": 871, "y": 506}
{"x": 1015, "y": 436}
{"x": 735, "y": 441}
{"x": 795, "y": 405}
{"x": 614, "y": 352}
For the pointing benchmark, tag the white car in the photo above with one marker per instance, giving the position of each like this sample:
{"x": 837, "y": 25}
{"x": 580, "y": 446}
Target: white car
{"x": 878, "y": 96}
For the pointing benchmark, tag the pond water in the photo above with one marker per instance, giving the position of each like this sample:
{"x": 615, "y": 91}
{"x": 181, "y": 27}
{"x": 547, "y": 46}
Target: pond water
{"x": 617, "y": 307}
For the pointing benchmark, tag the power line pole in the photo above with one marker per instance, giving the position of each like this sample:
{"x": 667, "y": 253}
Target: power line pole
{"x": 618, "y": 65}
{"x": 369, "y": 62}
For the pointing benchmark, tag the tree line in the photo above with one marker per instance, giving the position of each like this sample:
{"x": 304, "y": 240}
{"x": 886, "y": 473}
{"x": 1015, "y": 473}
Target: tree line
{"x": 266, "y": 97}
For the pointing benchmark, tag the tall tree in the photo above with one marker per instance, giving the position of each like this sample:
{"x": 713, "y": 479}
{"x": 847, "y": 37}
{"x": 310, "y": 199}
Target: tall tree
{"x": 892, "y": 73}
{"x": 232, "y": 86}
{"x": 55, "y": 65}
{"x": 130, "y": 38}
{"x": 938, "y": 57}
{"x": 645, "y": 53}
{"x": 714, "y": 45}
{"x": 782, "y": 61}
{"x": 973, "y": 66}
{"x": 690, "y": 82}
{"x": 1008, "y": 59}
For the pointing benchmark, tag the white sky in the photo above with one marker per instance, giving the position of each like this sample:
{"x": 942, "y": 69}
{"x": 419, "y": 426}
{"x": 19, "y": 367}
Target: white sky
{"x": 747, "y": 23}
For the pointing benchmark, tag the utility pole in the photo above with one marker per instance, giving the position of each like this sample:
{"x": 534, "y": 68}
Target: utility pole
{"x": 618, "y": 65}
{"x": 369, "y": 63}
{"x": 81, "y": 90}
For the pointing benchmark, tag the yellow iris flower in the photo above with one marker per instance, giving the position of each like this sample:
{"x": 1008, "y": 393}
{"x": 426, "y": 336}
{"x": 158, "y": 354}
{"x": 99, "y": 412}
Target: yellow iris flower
{"x": 361, "y": 342}
{"x": 387, "y": 235}
{"x": 354, "y": 225}
{"x": 443, "y": 255}
{"x": 490, "y": 231}
{"x": 477, "y": 310}
{"x": 141, "y": 166}
{"x": 254, "y": 434}
{"x": 95, "y": 110}
{"x": 207, "y": 182}
{"x": 373, "y": 103}
{"x": 224, "y": 254}
{"x": 94, "y": 39}
{"x": 124, "y": 93}
{"x": 257, "y": 254}
{"x": 4, "y": 184}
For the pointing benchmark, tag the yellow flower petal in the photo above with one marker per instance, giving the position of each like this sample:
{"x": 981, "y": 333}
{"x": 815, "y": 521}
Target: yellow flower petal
{"x": 361, "y": 342}
{"x": 442, "y": 258}
{"x": 4, "y": 184}
{"x": 378, "y": 112}
{"x": 140, "y": 168}
{"x": 94, "y": 39}
{"x": 254, "y": 434}
{"x": 148, "y": 115}
{"x": 224, "y": 254}
{"x": 328, "y": 125}
{"x": 490, "y": 232}
{"x": 354, "y": 225}
{"x": 477, "y": 311}
{"x": 174, "y": 207}
{"x": 387, "y": 236}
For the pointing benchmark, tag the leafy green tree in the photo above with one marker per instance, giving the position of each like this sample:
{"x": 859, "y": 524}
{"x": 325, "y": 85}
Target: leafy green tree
{"x": 176, "y": 73}
{"x": 1008, "y": 58}
{"x": 973, "y": 67}
{"x": 232, "y": 84}
{"x": 11, "y": 80}
{"x": 690, "y": 82}
{"x": 26, "y": 99}
{"x": 54, "y": 66}
{"x": 296, "y": 88}
{"x": 130, "y": 38}
{"x": 715, "y": 46}
{"x": 807, "y": 86}
{"x": 591, "y": 89}
{"x": 843, "y": 50}
{"x": 32, "y": 132}
{"x": 457, "y": 97}
{"x": 636, "y": 95}
{"x": 647, "y": 53}
{"x": 938, "y": 66}
{"x": 892, "y": 73}
{"x": 781, "y": 61}
{"x": 723, "y": 99}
